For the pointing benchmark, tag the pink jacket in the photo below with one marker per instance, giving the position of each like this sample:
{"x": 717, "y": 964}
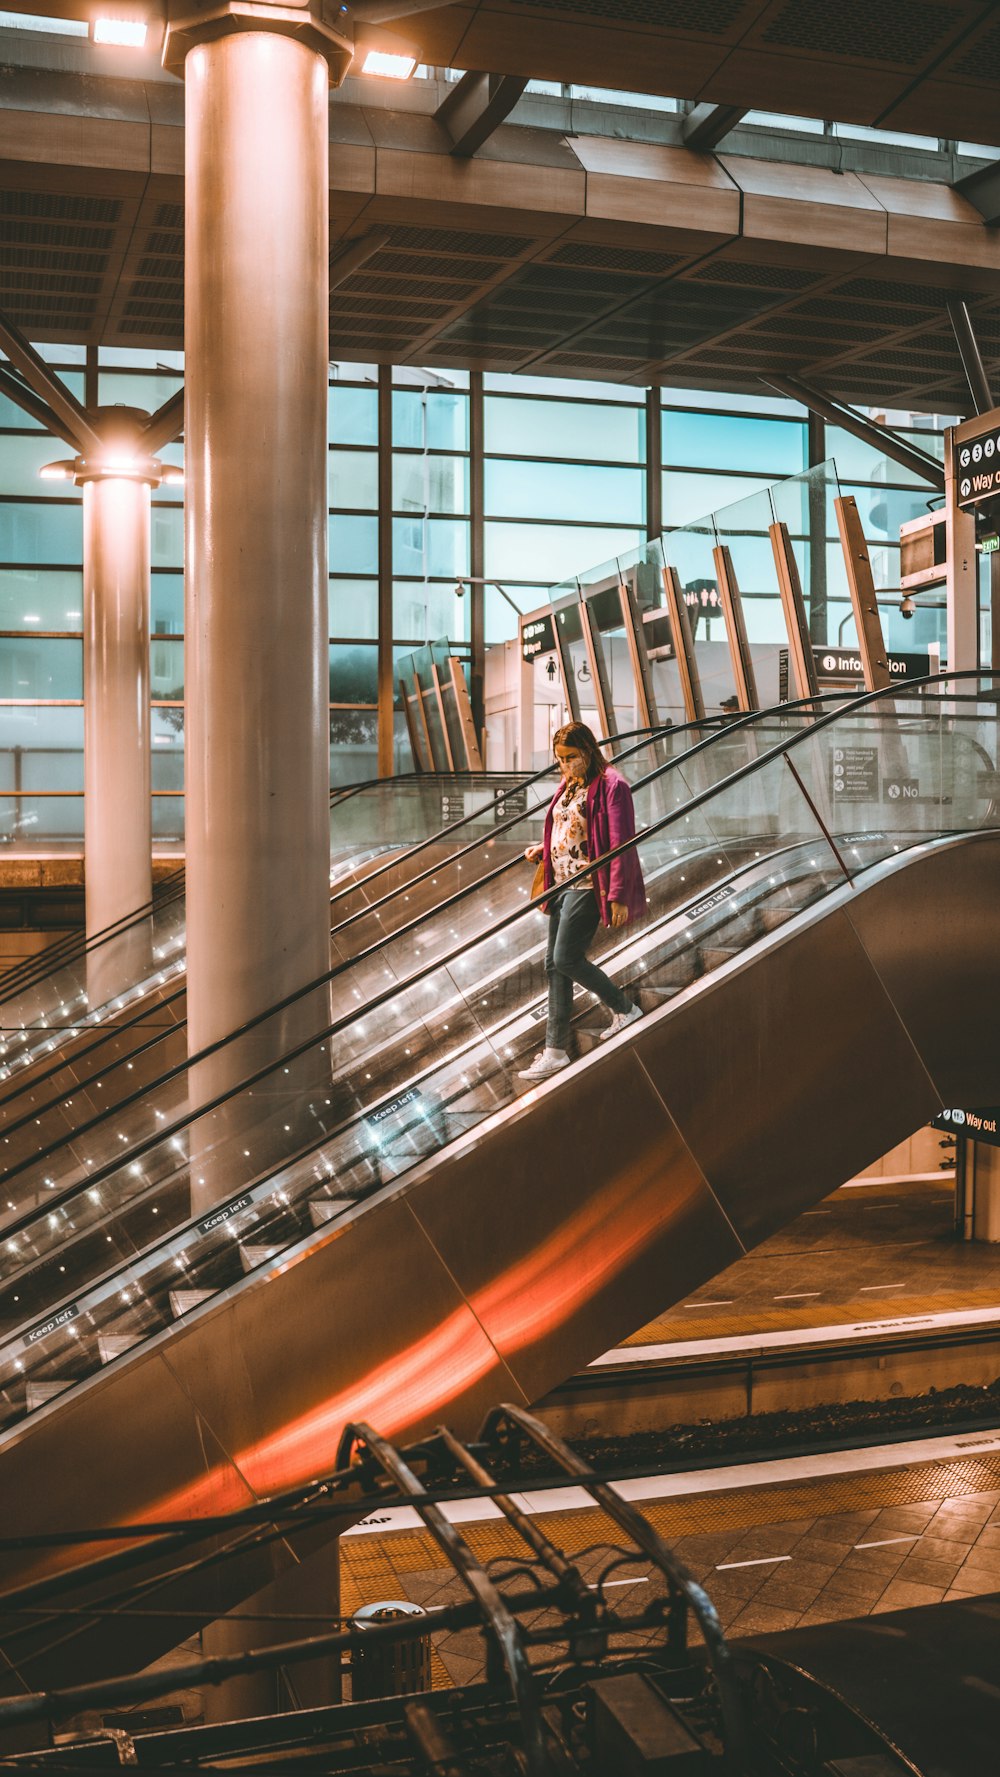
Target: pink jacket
{"x": 610, "y": 821}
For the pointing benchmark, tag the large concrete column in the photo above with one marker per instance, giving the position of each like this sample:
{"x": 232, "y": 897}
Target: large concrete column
{"x": 256, "y": 624}
{"x": 116, "y": 740}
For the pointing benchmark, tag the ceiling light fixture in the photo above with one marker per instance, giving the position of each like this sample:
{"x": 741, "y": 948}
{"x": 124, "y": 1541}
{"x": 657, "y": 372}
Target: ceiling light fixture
{"x": 123, "y": 32}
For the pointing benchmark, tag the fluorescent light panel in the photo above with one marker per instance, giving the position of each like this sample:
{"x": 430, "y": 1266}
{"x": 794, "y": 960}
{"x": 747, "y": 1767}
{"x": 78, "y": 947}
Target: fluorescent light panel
{"x": 126, "y": 33}
{"x": 379, "y": 61}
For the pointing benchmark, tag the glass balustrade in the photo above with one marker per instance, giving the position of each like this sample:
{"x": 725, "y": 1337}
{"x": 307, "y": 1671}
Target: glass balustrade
{"x": 436, "y": 1053}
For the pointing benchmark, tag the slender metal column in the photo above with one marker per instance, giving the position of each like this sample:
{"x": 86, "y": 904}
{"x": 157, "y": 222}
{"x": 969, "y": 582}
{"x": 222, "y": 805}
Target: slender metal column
{"x": 256, "y": 346}
{"x": 654, "y": 464}
{"x": 962, "y": 571}
{"x": 477, "y": 559}
{"x": 117, "y": 823}
{"x": 386, "y": 687}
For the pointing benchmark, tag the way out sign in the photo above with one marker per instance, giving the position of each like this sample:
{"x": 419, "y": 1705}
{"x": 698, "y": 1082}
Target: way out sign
{"x": 977, "y": 459}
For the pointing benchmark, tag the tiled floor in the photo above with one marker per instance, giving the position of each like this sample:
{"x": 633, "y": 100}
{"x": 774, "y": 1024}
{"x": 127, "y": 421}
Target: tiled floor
{"x": 870, "y": 1252}
{"x": 770, "y": 1558}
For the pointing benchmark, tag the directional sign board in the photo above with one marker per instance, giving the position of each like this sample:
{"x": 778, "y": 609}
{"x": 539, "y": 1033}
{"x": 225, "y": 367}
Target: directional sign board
{"x": 835, "y": 664}
{"x": 538, "y": 636}
{"x": 977, "y": 459}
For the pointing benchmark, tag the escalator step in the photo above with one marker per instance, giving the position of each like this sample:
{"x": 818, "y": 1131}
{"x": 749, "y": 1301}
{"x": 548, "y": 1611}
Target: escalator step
{"x": 182, "y": 1301}
{"x": 112, "y": 1345}
{"x": 324, "y": 1209}
{"x": 36, "y": 1394}
{"x": 773, "y": 917}
{"x": 252, "y": 1256}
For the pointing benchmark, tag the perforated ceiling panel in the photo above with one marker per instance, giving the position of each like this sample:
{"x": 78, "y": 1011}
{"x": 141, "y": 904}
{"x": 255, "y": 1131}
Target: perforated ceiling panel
{"x": 865, "y": 30}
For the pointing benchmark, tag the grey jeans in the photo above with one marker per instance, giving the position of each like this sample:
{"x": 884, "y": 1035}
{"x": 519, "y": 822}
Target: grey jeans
{"x": 572, "y": 923}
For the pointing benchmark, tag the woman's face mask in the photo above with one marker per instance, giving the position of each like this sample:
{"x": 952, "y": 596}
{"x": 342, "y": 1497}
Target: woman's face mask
{"x": 572, "y": 764}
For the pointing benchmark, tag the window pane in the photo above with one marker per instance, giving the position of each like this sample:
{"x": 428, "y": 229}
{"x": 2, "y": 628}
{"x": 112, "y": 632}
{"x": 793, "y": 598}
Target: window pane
{"x": 565, "y": 490}
{"x": 524, "y": 427}
{"x": 719, "y": 441}
{"x": 166, "y": 671}
{"x": 857, "y": 461}
{"x": 432, "y": 546}
{"x": 147, "y": 392}
{"x": 353, "y": 747}
{"x": 430, "y": 484}
{"x": 31, "y": 667}
{"x": 354, "y": 608}
{"x": 352, "y": 415}
{"x": 687, "y": 497}
{"x": 548, "y": 553}
{"x": 41, "y": 598}
{"x": 424, "y": 612}
{"x": 353, "y": 545}
{"x": 500, "y": 621}
{"x": 167, "y": 537}
{"x": 353, "y": 674}
{"x": 353, "y": 478}
{"x": 43, "y": 532}
{"x": 430, "y": 419}
{"x": 167, "y": 729}
{"x": 166, "y": 604}
{"x": 41, "y": 749}
{"x": 884, "y": 509}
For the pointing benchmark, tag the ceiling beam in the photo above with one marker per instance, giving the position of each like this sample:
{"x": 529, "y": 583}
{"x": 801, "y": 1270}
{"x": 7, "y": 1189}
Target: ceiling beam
{"x": 704, "y": 127}
{"x": 356, "y": 253}
{"x": 972, "y": 363}
{"x": 474, "y": 108}
{"x": 74, "y": 424}
{"x": 32, "y": 404}
{"x": 166, "y": 424}
{"x": 982, "y": 190}
{"x": 879, "y": 437}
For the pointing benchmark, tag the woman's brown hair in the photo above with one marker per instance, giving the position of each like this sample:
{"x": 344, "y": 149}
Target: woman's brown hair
{"x": 584, "y": 740}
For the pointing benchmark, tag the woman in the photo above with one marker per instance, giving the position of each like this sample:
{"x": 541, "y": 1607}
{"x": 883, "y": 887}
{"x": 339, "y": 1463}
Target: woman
{"x": 591, "y": 813}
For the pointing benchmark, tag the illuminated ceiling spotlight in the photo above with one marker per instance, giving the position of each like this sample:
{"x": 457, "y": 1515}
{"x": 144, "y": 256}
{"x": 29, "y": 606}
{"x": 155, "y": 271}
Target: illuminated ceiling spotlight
{"x": 125, "y": 33}
{"x": 383, "y": 52}
{"x": 65, "y": 471}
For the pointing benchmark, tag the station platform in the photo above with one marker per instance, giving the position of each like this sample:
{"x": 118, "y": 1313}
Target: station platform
{"x": 776, "y": 1544}
{"x": 794, "y": 1540}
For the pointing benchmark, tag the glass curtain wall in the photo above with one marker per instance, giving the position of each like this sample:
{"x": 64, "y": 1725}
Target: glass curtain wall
{"x": 563, "y": 476}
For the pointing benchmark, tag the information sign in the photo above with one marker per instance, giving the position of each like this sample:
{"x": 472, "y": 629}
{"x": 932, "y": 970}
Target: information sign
{"x": 537, "y": 637}
{"x": 981, "y": 1125}
{"x": 977, "y": 466}
{"x": 225, "y": 1214}
{"x": 452, "y": 806}
{"x": 510, "y": 803}
{"x": 854, "y": 774}
{"x": 835, "y": 664}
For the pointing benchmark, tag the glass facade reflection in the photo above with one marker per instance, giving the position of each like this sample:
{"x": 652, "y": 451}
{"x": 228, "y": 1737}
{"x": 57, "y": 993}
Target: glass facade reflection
{"x": 487, "y": 488}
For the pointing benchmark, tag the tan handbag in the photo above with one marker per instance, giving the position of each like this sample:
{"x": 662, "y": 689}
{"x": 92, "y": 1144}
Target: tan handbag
{"x": 538, "y": 880}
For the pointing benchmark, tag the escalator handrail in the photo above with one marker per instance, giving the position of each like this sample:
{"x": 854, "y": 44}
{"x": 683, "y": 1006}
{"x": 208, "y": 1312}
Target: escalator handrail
{"x": 322, "y": 1035}
{"x": 727, "y": 725}
{"x": 75, "y": 945}
{"x": 168, "y": 1131}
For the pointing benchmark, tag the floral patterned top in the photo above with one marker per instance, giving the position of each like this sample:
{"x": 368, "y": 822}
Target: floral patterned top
{"x": 569, "y": 835}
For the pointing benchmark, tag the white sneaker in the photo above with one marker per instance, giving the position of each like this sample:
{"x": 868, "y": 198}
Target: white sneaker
{"x": 621, "y": 1021}
{"x": 548, "y": 1062}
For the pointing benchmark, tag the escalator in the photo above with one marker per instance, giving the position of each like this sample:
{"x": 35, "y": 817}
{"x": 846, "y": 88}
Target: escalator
{"x": 113, "y": 1067}
{"x": 385, "y": 833}
{"x": 120, "y": 1139}
{"x": 817, "y": 978}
